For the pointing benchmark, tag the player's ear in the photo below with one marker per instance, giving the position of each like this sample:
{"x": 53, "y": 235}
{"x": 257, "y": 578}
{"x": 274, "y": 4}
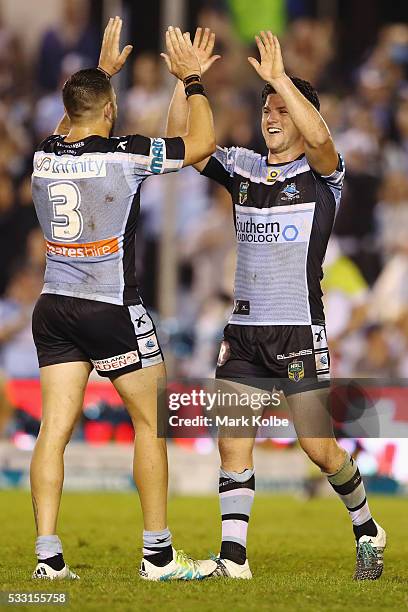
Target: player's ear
{"x": 109, "y": 111}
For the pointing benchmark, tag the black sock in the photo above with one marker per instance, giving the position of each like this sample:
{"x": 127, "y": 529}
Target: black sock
{"x": 368, "y": 528}
{"x": 56, "y": 562}
{"x": 162, "y": 558}
{"x": 233, "y": 551}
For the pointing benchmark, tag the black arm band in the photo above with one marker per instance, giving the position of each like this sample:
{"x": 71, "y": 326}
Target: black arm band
{"x": 194, "y": 88}
{"x": 108, "y": 76}
{"x": 192, "y": 78}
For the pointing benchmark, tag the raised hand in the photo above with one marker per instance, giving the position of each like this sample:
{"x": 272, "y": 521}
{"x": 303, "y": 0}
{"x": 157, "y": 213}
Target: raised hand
{"x": 203, "y": 45}
{"x": 180, "y": 58}
{"x": 271, "y": 66}
{"x": 111, "y": 60}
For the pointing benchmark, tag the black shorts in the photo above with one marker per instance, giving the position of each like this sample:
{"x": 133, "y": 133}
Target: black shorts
{"x": 294, "y": 358}
{"x": 114, "y": 339}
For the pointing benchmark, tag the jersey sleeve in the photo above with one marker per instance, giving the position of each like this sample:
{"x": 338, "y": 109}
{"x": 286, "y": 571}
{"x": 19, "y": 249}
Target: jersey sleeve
{"x": 221, "y": 166}
{"x": 335, "y": 180}
{"x": 153, "y": 155}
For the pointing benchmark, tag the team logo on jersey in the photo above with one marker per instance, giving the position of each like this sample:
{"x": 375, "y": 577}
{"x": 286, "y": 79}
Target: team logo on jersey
{"x": 290, "y": 193}
{"x": 296, "y": 371}
{"x": 272, "y": 175}
{"x": 243, "y": 192}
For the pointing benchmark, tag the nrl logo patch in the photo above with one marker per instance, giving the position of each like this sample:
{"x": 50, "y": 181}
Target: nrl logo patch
{"x": 296, "y": 371}
{"x": 243, "y": 192}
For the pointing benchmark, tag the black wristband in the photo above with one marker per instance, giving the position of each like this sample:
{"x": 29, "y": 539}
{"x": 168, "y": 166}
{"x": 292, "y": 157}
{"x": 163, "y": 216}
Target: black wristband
{"x": 193, "y": 89}
{"x": 108, "y": 76}
{"x": 192, "y": 78}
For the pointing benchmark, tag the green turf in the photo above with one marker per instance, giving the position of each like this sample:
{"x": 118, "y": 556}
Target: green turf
{"x": 301, "y": 554}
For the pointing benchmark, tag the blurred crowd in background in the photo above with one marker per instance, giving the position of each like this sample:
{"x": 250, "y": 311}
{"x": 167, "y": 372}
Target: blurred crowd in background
{"x": 366, "y": 108}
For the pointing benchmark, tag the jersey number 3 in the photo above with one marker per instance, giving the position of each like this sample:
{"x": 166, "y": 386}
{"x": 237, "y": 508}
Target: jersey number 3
{"x": 66, "y": 200}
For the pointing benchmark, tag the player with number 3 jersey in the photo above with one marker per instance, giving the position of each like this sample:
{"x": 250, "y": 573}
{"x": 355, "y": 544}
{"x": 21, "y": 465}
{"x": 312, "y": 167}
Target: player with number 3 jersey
{"x": 86, "y": 191}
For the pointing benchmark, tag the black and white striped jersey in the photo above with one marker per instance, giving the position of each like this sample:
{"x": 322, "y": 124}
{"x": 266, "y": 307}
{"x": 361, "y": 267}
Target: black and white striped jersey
{"x": 283, "y": 215}
{"x": 87, "y": 198}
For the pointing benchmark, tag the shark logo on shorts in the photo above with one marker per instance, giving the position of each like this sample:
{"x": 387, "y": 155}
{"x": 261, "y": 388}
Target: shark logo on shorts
{"x": 296, "y": 371}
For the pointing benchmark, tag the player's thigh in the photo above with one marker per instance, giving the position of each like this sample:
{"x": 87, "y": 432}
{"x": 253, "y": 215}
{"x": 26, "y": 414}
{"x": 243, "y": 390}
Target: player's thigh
{"x": 62, "y": 389}
{"x": 139, "y": 391}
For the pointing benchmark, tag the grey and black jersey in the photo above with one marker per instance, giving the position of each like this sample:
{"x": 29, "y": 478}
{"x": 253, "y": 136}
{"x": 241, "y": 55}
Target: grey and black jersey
{"x": 87, "y": 198}
{"x": 283, "y": 215}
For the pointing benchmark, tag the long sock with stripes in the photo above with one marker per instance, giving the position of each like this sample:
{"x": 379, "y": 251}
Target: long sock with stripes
{"x": 236, "y": 491}
{"x": 349, "y": 487}
{"x": 157, "y": 547}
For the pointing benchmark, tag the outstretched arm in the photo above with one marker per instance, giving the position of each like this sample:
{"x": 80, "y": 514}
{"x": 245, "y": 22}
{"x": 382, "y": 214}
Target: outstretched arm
{"x": 111, "y": 61}
{"x": 182, "y": 61}
{"x": 319, "y": 147}
{"x": 203, "y": 45}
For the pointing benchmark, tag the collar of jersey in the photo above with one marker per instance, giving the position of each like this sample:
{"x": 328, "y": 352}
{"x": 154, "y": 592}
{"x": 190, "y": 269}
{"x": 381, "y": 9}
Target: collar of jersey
{"x": 283, "y": 163}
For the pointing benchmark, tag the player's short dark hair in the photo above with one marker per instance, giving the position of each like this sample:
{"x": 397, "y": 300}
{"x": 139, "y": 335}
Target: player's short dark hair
{"x": 83, "y": 90}
{"x": 304, "y": 87}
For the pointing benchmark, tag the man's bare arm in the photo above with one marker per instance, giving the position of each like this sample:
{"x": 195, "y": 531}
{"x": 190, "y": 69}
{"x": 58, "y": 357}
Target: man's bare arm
{"x": 319, "y": 147}
{"x": 178, "y": 114}
{"x": 111, "y": 61}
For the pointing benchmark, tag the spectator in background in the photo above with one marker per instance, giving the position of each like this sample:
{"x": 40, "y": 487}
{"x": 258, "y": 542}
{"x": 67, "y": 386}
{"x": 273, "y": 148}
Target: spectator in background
{"x": 392, "y": 215}
{"x": 15, "y": 145}
{"x": 18, "y": 357}
{"x": 308, "y": 48}
{"x": 378, "y": 358}
{"x": 206, "y": 247}
{"x": 12, "y": 65}
{"x": 50, "y": 108}
{"x": 73, "y": 34}
{"x": 396, "y": 152}
{"x": 147, "y": 100}
{"x": 9, "y": 246}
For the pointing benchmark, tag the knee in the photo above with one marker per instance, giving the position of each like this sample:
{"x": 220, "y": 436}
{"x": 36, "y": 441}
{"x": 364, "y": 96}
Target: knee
{"x": 55, "y": 434}
{"x": 144, "y": 424}
{"x": 235, "y": 454}
{"x": 325, "y": 453}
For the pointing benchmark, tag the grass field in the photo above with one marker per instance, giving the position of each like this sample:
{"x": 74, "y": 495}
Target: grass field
{"x": 301, "y": 554}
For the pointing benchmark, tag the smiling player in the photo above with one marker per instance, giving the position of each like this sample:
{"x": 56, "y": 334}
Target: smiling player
{"x": 284, "y": 208}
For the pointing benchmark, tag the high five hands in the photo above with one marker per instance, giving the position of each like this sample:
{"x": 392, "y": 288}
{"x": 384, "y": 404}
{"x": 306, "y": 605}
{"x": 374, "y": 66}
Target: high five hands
{"x": 180, "y": 58}
{"x": 111, "y": 60}
{"x": 200, "y": 52}
{"x": 271, "y": 66}
{"x": 203, "y": 45}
